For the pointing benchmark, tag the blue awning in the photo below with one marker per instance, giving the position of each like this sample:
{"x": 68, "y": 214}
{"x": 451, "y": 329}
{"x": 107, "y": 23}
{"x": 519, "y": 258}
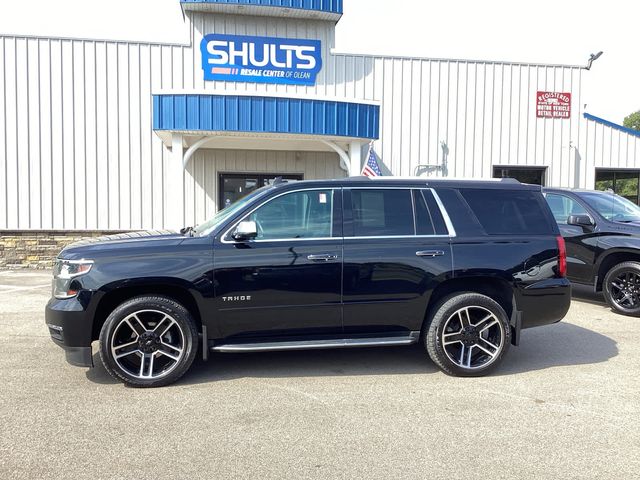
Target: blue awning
{"x": 318, "y": 9}
{"x": 615, "y": 126}
{"x": 265, "y": 115}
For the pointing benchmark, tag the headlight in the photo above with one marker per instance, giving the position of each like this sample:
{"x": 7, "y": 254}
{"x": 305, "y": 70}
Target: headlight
{"x": 64, "y": 273}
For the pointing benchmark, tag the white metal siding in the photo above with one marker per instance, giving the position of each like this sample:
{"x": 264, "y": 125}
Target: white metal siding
{"x": 77, "y": 149}
{"x": 605, "y": 147}
{"x": 484, "y": 112}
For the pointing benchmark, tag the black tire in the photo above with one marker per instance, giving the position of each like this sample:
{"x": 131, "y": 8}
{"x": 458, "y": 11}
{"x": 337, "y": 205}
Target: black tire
{"x": 631, "y": 286}
{"x": 446, "y": 314}
{"x": 160, "y": 349}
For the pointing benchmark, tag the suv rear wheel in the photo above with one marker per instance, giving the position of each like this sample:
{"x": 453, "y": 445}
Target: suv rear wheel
{"x": 148, "y": 341}
{"x": 622, "y": 288}
{"x": 468, "y": 335}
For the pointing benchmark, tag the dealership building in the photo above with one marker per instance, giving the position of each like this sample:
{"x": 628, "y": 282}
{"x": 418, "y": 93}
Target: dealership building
{"x": 102, "y": 136}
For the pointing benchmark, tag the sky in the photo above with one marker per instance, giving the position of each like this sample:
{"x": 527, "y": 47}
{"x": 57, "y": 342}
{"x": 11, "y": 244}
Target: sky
{"x": 540, "y": 31}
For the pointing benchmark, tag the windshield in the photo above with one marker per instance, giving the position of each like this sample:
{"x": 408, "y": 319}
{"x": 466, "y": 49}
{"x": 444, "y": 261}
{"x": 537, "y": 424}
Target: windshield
{"x": 209, "y": 226}
{"x": 613, "y": 207}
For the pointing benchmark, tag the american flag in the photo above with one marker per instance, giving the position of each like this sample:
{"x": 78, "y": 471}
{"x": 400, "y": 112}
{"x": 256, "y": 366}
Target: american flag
{"x": 371, "y": 168}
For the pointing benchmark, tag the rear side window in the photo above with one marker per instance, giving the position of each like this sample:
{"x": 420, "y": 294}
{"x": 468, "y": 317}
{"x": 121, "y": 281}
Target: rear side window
{"x": 382, "y": 212}
{"x": 509, "y": 212}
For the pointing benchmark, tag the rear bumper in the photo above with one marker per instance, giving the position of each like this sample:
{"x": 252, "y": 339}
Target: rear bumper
{"x": 545, "y": 302}
{"x": 70, "y": 324}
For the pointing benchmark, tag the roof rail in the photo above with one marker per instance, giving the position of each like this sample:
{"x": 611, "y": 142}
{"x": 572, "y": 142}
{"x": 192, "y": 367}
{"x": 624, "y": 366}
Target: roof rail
{"x": 439, "y": 179}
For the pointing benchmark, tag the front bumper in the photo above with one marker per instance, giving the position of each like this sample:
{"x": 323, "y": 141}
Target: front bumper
{"x": 70, "y": 324}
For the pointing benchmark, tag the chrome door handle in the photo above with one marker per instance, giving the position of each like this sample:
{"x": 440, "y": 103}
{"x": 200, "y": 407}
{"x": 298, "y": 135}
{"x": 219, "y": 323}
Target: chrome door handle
{"x": 430, "y": 253}
{"x": 322, "y": 258}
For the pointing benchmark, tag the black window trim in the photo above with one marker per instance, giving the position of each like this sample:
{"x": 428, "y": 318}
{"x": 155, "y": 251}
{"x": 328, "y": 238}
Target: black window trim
{"x": 227, "y": 239}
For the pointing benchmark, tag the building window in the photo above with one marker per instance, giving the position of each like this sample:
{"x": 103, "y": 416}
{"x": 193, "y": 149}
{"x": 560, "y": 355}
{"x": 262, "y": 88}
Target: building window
{"x": 624, "y": 182}
{"x": 533, "y": 175}
{"x": 234, "y": 186}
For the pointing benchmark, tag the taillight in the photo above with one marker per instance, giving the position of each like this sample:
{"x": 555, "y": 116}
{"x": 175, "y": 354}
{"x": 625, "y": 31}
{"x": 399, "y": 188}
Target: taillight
{"x": 562, "y": 257}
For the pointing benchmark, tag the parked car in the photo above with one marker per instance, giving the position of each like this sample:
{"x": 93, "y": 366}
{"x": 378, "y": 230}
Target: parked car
{"x": 460, "y": 267}
{"x": 602, "y": 235}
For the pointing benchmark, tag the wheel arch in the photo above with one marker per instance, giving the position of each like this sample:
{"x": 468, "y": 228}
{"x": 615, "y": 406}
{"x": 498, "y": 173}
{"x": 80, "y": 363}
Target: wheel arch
{"x": 493, "y": 287}
{"x": 611, "y": 259}
{"x": 170, "y": 288}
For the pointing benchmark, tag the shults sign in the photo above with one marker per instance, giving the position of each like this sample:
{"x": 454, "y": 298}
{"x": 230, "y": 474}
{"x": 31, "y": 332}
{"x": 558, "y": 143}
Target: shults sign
{"x": 235, "y": 58}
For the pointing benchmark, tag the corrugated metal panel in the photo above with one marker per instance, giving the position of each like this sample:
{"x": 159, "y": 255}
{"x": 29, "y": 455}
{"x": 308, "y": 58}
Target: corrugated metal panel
{"x": 607, "y": 145}
{"x": 483, "y": 113}
{"x": 265, "y": 115}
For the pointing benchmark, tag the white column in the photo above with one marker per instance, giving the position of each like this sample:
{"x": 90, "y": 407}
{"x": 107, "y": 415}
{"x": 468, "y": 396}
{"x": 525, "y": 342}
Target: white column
{"x": 174, "y": 181}
{"x": 355, "y": 155}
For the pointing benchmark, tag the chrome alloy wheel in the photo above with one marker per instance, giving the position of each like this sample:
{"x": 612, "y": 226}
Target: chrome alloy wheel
{"x": 473, "y": 337}
{"x": 147, "y": 344}
{"x": 625, "y": 290}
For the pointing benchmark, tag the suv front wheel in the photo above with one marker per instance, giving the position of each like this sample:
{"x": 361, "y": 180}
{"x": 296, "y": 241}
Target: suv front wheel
{"x": 468, "y": 335}
{"x": 148, "y": 341}
{"x": 622, "y": 288}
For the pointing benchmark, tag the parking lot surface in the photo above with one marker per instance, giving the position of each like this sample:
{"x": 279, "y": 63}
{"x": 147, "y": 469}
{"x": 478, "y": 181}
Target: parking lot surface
{"x": 565, "y": 404}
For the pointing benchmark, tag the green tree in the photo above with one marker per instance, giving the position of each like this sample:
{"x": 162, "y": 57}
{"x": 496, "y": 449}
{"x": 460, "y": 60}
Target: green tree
{"x": 633, "y": 121}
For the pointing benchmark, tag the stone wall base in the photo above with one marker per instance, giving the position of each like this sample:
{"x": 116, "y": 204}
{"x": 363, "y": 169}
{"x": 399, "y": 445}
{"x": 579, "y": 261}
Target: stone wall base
{"x": 37, "y": 248}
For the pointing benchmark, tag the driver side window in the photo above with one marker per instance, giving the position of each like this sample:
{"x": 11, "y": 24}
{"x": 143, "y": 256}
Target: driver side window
{"x": 305, "y": 214}
{"x": 562, "y": 207}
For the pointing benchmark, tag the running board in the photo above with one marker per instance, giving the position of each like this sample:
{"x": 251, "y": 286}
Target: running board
{"x": 318, "y": 344}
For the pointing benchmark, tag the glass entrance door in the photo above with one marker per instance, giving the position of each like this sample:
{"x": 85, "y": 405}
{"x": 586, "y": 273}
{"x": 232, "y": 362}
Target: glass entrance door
{"x": 234, "y": 186}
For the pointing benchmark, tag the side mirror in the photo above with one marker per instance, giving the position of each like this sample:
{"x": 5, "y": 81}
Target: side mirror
{"x": 580, "y": 220}
{"x": 246, "y": 230}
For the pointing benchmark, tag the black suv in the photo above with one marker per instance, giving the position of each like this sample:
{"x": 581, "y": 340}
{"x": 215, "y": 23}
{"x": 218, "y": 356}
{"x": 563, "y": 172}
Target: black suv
{"x": 602, "y": 234}
{"x": 460, "y": 267}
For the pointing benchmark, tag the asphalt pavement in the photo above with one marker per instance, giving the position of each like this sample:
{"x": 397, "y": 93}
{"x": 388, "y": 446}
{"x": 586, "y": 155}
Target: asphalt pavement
{"x": 565, "y": 404}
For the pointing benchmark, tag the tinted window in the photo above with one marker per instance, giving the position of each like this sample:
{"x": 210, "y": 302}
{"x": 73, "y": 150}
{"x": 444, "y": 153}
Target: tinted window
{"x": 305, "y": 214}
{"x": 382, "y": 212}
{"x": 463, "y": 219}
{"x": 561, "y": 207}
{"x": 508, "y": 212}
{"x": 613, "y": 207}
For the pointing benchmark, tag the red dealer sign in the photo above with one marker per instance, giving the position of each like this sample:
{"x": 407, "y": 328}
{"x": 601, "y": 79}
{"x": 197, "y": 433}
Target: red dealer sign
{"x": 553, "y": 105}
